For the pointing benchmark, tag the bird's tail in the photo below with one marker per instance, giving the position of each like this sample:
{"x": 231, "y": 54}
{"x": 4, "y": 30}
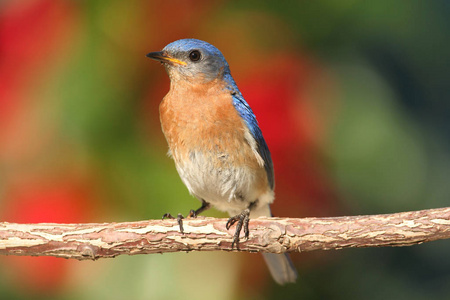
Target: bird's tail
{"x": 280, "y": 265}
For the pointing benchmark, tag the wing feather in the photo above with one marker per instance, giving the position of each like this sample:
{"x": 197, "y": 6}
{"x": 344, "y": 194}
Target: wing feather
{"x": 260, "y": 144}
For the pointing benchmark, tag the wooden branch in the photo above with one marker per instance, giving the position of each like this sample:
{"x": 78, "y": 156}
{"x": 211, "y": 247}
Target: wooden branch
{"x": 277, "y": 235}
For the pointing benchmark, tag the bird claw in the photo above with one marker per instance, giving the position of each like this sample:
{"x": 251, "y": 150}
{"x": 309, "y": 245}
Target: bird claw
{"x": 192, "y": 214}
{"x": 179, "y": 220}
{"x": 167, "y": 216}
{"x": 242, "y": 220}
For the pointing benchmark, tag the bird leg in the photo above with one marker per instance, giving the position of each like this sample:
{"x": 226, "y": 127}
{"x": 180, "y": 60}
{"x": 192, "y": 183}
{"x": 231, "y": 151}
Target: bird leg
{"x": 192, "y": 214}
{"x": 243, "y": 219}
{"x": 195, "y": 213}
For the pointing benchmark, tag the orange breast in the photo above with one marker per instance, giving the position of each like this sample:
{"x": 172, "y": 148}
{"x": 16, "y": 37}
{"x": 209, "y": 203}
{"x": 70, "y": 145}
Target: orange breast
{"x": 203, "y": 118}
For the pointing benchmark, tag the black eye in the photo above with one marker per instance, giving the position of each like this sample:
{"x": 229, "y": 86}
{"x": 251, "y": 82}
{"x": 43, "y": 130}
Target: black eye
{"x": 195, "y": 55}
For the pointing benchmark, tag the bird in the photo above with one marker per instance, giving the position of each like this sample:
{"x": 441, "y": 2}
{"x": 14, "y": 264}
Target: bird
{"x": 216, "y": 143}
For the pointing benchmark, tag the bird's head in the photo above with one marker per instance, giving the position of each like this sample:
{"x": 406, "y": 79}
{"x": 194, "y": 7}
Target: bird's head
{"x": 192, "y": 60}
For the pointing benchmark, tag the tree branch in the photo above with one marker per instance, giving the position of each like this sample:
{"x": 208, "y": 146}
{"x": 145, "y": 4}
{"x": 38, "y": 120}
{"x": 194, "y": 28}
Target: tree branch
{"x": 276, "y": 235}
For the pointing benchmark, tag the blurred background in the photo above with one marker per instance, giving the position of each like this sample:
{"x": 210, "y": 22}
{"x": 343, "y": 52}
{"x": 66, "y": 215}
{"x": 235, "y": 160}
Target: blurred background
{"x": 352, "y": 98}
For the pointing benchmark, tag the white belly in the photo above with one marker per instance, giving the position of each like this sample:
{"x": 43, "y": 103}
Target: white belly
{"x": 219, "y": 182}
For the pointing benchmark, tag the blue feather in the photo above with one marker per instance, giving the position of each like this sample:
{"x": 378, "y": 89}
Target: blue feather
{"x": 249, "y": 117}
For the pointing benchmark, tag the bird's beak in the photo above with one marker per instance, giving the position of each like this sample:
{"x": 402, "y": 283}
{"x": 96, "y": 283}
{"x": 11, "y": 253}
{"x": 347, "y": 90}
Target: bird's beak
{"x": 165, "y": 58}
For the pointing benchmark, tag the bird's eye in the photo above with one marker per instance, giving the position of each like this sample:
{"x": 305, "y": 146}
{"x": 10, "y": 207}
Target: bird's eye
{"x": 195, "y": 55}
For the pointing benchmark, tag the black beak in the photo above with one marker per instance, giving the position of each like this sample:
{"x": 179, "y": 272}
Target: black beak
{"x": 158, "y": 55}
{"x": 163, "y": 57}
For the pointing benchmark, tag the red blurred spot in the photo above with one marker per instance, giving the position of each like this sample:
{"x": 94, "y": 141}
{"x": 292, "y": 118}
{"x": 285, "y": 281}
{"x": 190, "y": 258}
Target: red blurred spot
{"x": 32, "y": 34}
{"x": 54, "y": 202}
{"x": 62, "y": 201}
{"x": 290, "y": 123}
{"x": 33, "y": 30}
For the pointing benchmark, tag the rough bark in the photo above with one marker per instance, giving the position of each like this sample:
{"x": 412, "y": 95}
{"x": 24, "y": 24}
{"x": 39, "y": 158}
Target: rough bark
{"x": 277, "y": 235}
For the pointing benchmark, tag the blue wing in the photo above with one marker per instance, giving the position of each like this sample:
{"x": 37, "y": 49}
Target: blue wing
{"x": 247, "y": 114}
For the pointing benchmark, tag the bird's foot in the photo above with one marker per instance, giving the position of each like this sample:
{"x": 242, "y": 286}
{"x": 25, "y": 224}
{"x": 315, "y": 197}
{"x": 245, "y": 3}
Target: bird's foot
{"x": 192, "y": 214}
{"x": 242, "y": 219}
{"x": 179, "y": 220}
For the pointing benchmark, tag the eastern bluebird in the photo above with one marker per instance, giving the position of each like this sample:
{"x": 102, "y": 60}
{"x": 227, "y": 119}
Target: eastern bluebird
{"x": 215, "y": 141}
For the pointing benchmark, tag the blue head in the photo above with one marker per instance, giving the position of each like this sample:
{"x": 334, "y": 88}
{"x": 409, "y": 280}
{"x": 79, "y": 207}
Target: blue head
{"x": 192, "y": 60}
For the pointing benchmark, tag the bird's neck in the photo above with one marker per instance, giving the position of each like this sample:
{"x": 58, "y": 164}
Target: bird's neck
{"x": 197, "y": 88}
